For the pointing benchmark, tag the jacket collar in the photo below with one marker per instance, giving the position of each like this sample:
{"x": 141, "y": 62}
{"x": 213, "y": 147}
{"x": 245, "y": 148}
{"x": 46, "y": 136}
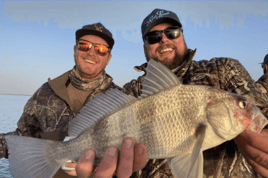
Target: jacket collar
{"x": 59, "y": 85}
{"x": 182, "y": 69}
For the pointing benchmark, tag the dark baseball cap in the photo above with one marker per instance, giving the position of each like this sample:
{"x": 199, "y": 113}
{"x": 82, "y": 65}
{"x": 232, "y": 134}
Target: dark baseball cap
{"x": 265, "y": 60}
{"x": 158, "y": 16}
{"x": 96, "y": 29}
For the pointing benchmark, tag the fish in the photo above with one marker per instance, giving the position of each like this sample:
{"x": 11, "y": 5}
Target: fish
{"x": 173, "y": 120}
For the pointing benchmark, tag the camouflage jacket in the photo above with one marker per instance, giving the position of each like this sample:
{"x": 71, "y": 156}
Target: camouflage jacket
{"x": 262, "y": 83}
{"x": 223, "y": 161}
{"x": 48, "y": 112}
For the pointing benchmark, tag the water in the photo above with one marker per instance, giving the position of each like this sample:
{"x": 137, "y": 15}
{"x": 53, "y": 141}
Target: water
{"x": 11, "y": 108}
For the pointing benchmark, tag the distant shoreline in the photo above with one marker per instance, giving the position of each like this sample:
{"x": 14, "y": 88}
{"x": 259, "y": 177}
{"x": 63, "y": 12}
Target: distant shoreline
{"x": 15, "y": 94}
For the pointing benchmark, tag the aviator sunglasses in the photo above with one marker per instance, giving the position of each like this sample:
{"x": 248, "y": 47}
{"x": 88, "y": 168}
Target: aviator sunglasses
{"x": 156, "y": 36}
{"x": 84, "y": 45}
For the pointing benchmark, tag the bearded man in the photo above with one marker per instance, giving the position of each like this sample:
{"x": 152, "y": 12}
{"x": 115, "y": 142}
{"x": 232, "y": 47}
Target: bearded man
{"x": 244, "y": 156}
{"x": 164, "y": 41}
{"x": 262, "y": 82}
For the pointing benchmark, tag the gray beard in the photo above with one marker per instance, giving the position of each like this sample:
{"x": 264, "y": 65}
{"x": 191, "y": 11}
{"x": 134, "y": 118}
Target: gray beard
{"x": 81, "y": 73}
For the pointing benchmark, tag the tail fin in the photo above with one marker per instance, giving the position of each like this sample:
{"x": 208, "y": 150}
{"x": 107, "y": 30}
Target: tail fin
{"x": 30, "y": 157}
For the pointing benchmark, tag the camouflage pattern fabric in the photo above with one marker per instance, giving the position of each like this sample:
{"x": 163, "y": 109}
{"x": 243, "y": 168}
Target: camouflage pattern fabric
{"x": 262, "y": 83}
{"x": 223, "y": 161}
{"x": 261, "y": 88}
{"x": 48, "y": 112}
{"x": 83, "y": 84}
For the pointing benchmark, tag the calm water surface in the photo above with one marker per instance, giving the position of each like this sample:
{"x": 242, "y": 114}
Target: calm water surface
{"x": 11, "y": 108}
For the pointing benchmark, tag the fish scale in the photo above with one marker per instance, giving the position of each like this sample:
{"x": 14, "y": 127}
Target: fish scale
{"x": 172, "y": 120}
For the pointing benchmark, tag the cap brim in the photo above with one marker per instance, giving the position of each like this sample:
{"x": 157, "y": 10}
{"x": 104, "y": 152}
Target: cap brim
{"x": 162, "y": 20}
{"x": 82, "y": 32}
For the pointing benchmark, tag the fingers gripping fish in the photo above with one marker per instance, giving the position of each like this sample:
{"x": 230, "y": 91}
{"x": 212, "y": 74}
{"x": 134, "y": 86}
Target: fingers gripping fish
{"x": 173, "y": 120}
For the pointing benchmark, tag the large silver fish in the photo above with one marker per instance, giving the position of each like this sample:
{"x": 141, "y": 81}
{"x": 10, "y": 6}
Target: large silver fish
{"x": 173, "y": 120}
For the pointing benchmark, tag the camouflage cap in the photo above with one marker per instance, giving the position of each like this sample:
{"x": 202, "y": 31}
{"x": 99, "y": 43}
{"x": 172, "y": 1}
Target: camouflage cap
{"x": 96, "y": 29}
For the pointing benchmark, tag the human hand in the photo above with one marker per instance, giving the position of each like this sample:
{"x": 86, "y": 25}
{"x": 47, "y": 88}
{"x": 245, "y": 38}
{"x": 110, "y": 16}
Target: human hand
{"x": 254, "y": 148}
{"x": 131, "y": 160}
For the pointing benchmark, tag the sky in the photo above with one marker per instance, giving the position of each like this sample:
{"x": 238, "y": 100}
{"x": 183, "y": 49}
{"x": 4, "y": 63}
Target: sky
{"x": 37, "y": 37}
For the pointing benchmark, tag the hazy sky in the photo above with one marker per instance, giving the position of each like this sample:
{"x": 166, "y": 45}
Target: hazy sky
{"x": 37, "y": 37}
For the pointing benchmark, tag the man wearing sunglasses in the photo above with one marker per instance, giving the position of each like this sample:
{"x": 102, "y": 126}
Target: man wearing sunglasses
{"x": 164, "y": 41}
{"x": 48, "y": 112}
{"x": 262, "y": 83}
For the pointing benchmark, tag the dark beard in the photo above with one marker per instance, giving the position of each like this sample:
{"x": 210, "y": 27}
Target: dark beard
{"x": 178, "y": 59}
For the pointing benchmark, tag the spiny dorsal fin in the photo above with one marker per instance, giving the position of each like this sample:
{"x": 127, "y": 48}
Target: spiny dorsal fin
{"x": 158, "y": 77}
{"x": 97, "y": 108}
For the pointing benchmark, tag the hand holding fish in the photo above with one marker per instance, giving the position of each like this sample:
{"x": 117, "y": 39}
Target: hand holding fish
{"x": 254, "y": 148}
{"x": 132, "y": 158}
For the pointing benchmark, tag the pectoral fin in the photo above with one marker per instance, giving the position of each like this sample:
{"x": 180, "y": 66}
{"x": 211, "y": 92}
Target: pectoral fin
{"x": 190, "y": 165}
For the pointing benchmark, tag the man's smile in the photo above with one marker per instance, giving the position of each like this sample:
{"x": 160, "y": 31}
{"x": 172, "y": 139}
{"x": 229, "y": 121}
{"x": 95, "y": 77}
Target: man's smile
{"x": 166, "y": 50}
{"x": 89, "y": 61}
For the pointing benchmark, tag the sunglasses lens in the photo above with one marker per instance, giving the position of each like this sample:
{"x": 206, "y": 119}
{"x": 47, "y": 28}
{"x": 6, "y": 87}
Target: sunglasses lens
{"x": 84, "y": 45}
{"x": 101, "y": 49}
{"x": 154, "y": 37}
{"x": 172, "y": 33}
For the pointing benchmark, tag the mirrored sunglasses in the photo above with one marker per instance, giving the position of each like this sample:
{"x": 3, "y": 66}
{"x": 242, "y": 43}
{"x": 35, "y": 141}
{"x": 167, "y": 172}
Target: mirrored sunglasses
{"x": 156, "y": 36}
{"x": 84, "y": 45}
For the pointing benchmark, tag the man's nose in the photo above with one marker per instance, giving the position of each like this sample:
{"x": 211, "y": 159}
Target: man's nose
{"x": 91, "y": 51}
{"x": 164, "y": 38}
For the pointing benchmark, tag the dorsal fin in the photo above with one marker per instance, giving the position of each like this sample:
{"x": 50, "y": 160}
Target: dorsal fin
{"x": 103, "y": 104}
{"x": 158, "y": 77}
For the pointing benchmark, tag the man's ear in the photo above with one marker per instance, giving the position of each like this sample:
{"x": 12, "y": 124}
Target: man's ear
{"x": 109, "y": 58}
{"x": 145, "y": 50}
{"x": 75, "y": 50}
{"x": 266, "y": 66}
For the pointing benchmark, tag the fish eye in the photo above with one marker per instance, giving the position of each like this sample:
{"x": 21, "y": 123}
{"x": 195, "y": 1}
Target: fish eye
{"x": 242, "y": 104}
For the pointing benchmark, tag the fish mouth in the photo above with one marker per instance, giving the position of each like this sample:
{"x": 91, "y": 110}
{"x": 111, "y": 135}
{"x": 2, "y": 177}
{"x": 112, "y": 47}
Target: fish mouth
{"x": 258, "y": 123}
